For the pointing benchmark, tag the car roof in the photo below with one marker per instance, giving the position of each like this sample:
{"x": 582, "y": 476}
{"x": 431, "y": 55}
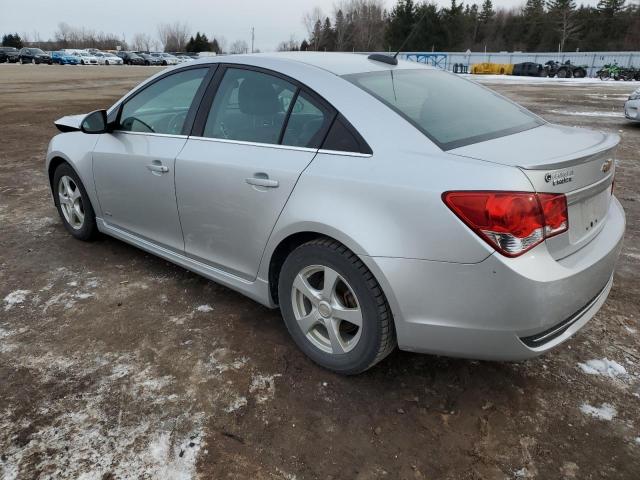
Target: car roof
{"x": 338, "y": 63}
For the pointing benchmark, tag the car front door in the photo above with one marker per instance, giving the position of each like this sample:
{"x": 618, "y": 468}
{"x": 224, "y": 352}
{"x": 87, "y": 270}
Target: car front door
{"x": 251, "y": 142}
{"x": 134, "y": 166}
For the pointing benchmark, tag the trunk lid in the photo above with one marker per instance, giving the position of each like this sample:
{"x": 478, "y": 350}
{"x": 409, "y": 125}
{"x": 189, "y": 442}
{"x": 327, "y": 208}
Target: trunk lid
{"x": 556, "y": 159}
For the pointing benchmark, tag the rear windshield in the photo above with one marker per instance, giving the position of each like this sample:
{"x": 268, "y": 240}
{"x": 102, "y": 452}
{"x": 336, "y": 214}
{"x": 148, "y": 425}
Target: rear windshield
{"x": 448, "y": 109}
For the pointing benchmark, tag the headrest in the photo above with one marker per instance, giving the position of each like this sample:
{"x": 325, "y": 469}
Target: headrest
{"x": 258, "y": 97}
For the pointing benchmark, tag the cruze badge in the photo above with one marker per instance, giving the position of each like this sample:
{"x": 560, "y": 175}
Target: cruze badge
{"x": 558, "y": 178}
{"x": 606, "y": 166}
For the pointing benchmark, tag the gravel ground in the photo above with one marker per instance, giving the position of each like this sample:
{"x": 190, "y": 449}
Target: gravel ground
{"x": 116, "y": 364}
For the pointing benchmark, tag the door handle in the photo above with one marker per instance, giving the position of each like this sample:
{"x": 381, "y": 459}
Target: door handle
{"x": 157, "y": 167}
{"x": 262, "y": 181}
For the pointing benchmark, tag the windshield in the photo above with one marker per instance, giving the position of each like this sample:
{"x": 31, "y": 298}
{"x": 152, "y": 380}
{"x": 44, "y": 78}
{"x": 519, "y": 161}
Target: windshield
{"x": 448, "y": 109}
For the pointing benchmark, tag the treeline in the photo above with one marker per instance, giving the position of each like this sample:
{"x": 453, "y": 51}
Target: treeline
{"x": 539, "y": 25}
{"x": 171, "y": 37}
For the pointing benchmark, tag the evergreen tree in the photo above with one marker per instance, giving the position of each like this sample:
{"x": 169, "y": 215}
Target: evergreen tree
{"x": 487, "y": 13}
{"x": 199, "y": 43}
{"x": 215, "y": 46}
{"x": 12, "y": 40}
{"x": 316, "y": 36}
{"x": 400, "y": 24}
{"x": 327, "y": 37}
{"x": 562, "y": 13}
{"x": 611, "y": 8}
{"x": 341, "y": 29}
{"x": 304, "y": 46}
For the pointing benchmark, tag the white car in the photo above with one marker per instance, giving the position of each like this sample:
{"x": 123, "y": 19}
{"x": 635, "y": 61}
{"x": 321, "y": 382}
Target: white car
{"x": 166, "y": 58}
{"x": 86, "y": 58}
{"x": 106, "y": 58}
{"x": 632, "y": 106}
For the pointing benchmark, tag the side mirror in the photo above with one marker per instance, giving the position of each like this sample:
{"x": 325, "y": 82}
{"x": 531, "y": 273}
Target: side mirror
{"x": 95, "y": 122}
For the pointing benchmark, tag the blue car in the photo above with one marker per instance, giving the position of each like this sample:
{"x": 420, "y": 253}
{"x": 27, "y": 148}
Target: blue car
{"x": 63, "y": 58}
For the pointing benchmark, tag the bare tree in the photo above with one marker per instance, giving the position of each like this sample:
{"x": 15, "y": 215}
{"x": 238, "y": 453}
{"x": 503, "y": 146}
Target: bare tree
{"x": 311, "y": 18}
{"x": 290, "y": 45}
{"x": 143, "y": 42}
{"x": 222, "y": 43}
{"x": 239, "y": 46}
{"x": 173, "y": 37}
{"x": 368, "y": 20}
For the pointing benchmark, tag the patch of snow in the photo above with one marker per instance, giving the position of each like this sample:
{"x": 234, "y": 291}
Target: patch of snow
{"x": 598, "y": 113}
{"x": 609, "y": 368}
{"x": 15, "y": 298}
{"x": 546, "y": 80}
{"x": 263, "y": 387}
{"x": 204, "y": 308}
{"x": 630, "y": 330}
{"x": 605, "y": 412}
{"x": 83, "y": 295}
{"x": 236, "y": 404}
{"x": 637, "y": 440}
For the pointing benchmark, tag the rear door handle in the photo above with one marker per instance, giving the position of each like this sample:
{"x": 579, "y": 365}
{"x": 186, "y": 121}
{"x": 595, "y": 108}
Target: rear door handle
{"x": 157, "y": 167}
{"x": 262, "y": 181}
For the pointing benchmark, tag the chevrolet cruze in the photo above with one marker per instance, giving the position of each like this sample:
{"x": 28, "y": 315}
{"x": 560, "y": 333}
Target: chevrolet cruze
{"x": 376, "y": 203}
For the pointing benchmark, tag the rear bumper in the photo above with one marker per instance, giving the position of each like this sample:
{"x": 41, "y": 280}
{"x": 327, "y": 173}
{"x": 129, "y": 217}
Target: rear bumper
{"x": 501, "y": 308}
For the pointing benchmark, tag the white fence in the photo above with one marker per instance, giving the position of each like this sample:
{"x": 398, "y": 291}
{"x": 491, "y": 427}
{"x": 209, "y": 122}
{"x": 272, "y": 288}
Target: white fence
{"x": 593, "y": 60}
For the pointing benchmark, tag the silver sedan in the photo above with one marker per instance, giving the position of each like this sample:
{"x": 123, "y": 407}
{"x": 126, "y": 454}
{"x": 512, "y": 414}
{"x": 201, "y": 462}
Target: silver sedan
{"x": 376, "y": 203}
{"x": 632, "y": 106}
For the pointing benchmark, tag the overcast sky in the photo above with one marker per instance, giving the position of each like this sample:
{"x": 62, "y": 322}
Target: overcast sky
{"x": 274, "y": 20}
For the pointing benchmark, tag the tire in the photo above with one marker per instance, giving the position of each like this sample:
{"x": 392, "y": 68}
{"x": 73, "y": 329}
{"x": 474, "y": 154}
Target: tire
{"x": 87, "y": 230}
{"x": 563, "y": 73}
{"x": 366, "y": 344}
{"x": 106, "y": 62}
{"x": 579, "y": 73}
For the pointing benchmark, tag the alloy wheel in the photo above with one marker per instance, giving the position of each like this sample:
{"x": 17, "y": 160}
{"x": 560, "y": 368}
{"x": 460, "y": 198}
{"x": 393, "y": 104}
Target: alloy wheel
{"x": 70, "y": 199}
{"x": 326, "y": 309}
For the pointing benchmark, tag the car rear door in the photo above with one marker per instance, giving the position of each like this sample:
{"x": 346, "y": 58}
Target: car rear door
{"x": 255, "y": 133}
{"x": 134, "y": 165}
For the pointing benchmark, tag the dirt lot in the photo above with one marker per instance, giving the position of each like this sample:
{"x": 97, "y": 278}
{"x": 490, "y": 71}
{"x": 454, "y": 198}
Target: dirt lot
{"x": 115, "y": 364}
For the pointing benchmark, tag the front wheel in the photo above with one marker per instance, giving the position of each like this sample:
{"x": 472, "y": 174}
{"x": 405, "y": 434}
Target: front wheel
{"x": 334, "y": 308}
{"x": 73, "y": 204}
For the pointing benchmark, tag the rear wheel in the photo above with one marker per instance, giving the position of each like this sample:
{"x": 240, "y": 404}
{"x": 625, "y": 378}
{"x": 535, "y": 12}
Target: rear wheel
{"x": 73, "y": 204}
{"x": 334, "y": 308}
{"x": 563, "y": 73}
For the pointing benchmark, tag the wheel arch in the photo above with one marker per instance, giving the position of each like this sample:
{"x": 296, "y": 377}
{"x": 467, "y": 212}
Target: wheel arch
{"x": 286, "y": 243}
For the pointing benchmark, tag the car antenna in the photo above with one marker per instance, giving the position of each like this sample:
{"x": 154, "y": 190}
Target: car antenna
{"x": 381, "y": 57}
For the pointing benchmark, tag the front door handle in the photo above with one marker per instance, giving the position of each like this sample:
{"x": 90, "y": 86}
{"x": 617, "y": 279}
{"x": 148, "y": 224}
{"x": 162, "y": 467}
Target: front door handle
{"x": 156, "y": 167}
{"x": 262, "y": 180}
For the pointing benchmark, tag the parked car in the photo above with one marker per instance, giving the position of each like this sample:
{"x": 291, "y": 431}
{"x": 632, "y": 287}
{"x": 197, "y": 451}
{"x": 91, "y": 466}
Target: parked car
{"x": 34, "y": 55}
{"x": 150, "y": 59}
{"x": 528, "y": 69}
{"x": 86, "y": 58}
{"x": 632, "y": 106}
{"x": 106, "y": 58}
{"x": 184, "y": 58}
{"x": 9, "y": 55}
{"x": 370, "y": 211}
{"x": 64, "y": 58}
{"x": 130, "y": 58}
{"x": 165, "y": 58}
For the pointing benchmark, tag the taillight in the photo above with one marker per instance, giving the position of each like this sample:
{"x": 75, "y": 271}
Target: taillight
{"x": 511, "y": 222}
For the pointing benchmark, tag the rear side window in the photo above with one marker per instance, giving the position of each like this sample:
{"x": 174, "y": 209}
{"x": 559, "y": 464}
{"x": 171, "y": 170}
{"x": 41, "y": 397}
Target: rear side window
{"x": 451, "y": 111}
{"x": 307, "y": 123}
{"x": 342, "y": 137}
{"x": 249, "y": 106}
